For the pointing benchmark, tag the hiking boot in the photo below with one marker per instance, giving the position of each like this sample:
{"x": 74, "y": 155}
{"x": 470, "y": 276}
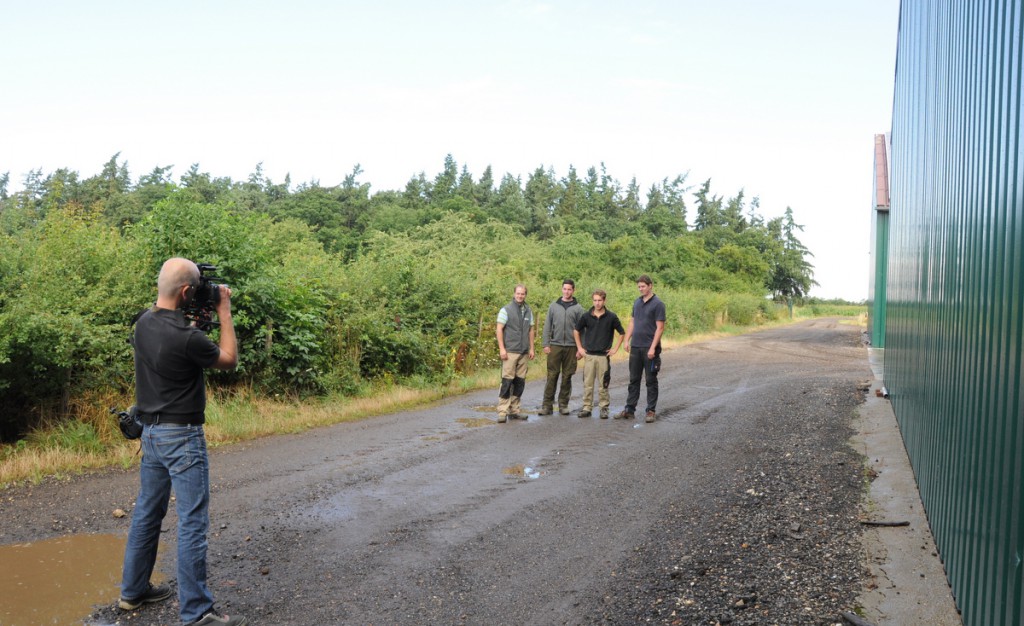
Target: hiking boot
{"x": 213, "y": 619}
{"x": 502, "y": 419}
{"x": 604, "y": 414}
{"x": 563, "y": 410}
{"x": 517, "y": 416}
{"x": 585, "y": 413}
{"x": 544, "y": 410}
{"x": 155, "y": 593}
{"x": 625, "y": 415}
{"x": 650, "y": 417}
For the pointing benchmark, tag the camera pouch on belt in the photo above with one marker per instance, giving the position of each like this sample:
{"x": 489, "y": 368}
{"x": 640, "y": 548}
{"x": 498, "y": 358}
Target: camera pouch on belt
{"x": 128, "y": 422}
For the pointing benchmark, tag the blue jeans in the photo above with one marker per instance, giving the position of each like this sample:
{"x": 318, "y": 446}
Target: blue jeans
{"x": 173, "y": 456}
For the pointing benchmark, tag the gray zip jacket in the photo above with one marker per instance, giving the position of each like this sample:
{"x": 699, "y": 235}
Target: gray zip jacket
{"x": 560, "y": 322}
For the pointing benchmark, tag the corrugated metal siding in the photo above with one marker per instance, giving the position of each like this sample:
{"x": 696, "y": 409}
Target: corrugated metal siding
{"x": 955, "y": 286}
{"x": 877, "y": 305}
{"x": 879, "y": 243}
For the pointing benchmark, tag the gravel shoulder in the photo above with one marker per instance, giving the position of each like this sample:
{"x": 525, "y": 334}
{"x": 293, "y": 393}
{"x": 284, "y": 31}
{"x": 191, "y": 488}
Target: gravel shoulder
{"x": 739, "y": 506}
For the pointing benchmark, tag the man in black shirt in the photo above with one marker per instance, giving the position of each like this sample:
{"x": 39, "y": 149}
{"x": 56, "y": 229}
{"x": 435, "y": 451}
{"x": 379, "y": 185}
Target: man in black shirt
{"x": 170, "y": 396}
{"x": 594, "y": 334}
{"x": 643, "y": 340}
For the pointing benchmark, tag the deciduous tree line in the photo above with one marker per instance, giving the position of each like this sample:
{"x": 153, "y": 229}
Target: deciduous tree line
{"x": 337, "y": 287}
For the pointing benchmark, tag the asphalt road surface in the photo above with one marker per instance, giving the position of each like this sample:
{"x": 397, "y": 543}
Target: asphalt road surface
{"x": 739, "y": 505}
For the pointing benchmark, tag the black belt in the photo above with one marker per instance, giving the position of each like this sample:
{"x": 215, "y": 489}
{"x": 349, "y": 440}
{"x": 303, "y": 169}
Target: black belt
{"x": 185, "y": 419}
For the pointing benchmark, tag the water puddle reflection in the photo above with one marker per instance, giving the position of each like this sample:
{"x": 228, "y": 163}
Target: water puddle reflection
{"x": 520, "y": 470}
{"x": 58, "y": 581}
{"x": 474, "y": 422}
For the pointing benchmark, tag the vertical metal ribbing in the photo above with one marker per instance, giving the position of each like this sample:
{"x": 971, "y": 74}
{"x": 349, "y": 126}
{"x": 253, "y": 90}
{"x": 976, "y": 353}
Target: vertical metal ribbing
{"x": 955, "y": 289}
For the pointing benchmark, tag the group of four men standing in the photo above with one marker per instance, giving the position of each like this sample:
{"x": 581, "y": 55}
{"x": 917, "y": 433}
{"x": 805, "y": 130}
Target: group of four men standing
{"x": 571, "y": 334}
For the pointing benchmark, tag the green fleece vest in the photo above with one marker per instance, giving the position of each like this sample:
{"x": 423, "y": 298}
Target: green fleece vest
{"x": 517, "y": 327}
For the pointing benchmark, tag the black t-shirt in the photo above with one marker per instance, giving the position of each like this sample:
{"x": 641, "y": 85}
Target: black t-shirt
{"x": 169, "y": 359}
{"x": 597, "y": 333}
{"x": 646, "y": 315}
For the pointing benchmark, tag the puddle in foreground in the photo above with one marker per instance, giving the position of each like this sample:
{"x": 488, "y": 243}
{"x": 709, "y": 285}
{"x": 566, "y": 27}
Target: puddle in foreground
{"x": 474, "y": 422}
{"x": 58, "y": 581}
{"x": 521, "y": 470}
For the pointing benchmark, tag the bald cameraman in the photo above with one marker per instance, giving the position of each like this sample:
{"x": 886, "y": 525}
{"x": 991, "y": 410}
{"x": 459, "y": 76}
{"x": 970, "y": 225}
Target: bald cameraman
{"x": 170, "y": 395}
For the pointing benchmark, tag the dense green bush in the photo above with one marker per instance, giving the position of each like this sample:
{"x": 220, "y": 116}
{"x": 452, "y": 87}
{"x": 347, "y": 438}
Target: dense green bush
{"x": 334, "y": 288}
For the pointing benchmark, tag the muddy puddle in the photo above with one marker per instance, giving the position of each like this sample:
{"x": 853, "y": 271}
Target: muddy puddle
{"x": 60, "y": 580}
{"x": 475, "y": 422}
{"x": 520, "y": 470}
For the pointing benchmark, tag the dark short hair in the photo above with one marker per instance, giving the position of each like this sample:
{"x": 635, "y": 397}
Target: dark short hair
{"x": 645, "y": 279}
{"x": 568, "y": 281}
{"x": 600, "y": 292}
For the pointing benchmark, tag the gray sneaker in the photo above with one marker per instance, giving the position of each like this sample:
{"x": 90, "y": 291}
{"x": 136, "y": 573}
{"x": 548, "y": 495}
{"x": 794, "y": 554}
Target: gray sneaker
{"x": 213, "y": 619}
{"x": 155, "y": 593}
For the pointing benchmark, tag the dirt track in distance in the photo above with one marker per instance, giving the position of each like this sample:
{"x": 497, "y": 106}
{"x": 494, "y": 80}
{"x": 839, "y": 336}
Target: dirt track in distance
{"x": 739, "y": 505}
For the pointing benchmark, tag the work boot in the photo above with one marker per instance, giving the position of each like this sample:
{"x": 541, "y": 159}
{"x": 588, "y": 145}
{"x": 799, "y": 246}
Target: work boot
{"x": 213, "y": 619}
{"x": 563, "y": 410}
{"x": 155, "y": 593}
{"x": 585, "y": 413}
{"x": 625, "y": 415}
{"x": 604, "y": 414}
{"x": 544, "y": 410}
{"x": 502, "y": 418}
{"x": 650, "y": 417}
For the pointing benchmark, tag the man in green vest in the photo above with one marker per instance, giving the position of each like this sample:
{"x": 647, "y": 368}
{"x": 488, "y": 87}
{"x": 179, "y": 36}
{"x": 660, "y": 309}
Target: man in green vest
{"x": 516, "y": 332}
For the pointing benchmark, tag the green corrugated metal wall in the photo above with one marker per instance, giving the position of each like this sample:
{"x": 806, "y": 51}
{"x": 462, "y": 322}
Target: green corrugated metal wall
{"x": 879, "y": 243}
{"x": 955, "y": 286}
{"x": 877, "y": 306}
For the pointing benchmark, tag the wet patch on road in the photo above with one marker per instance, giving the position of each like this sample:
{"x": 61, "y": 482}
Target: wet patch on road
{"x": 60, "y": 580}
{"x": 521, "y": 470}
{"x": 475, "y": 422}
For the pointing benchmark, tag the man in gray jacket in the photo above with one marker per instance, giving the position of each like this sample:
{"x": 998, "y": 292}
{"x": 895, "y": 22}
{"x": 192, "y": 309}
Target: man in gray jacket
{"x": 560, "y": 346}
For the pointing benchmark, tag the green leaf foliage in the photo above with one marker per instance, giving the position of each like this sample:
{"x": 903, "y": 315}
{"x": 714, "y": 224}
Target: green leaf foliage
{"x": 335, "y": 287}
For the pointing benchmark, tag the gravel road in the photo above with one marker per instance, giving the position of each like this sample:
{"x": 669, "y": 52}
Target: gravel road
{"x": 738, "y": 506}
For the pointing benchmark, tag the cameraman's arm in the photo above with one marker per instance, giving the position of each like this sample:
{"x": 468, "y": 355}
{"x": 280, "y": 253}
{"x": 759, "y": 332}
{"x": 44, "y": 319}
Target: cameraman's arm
{"x": 228, "y": 358}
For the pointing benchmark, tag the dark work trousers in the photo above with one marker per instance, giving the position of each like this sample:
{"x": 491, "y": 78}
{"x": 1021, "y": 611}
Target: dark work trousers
{"x": 561, "y": 361}
{"x": 640, "y": 365}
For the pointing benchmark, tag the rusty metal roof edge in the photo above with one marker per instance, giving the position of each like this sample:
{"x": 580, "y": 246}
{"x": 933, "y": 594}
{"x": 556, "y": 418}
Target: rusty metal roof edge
{"x": 881, "y": 173}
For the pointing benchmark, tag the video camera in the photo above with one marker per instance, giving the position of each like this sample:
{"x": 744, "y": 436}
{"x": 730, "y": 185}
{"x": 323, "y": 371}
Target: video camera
{"x": 207, "y": 297}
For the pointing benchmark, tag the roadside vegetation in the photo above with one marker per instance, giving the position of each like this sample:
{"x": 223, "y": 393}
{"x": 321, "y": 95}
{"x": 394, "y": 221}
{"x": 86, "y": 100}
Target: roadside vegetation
{"x": 347, "y": 303}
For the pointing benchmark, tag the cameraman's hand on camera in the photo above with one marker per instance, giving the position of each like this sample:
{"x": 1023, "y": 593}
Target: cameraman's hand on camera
{"x": 224, "y": 304}
{"x": 228, "y": 358}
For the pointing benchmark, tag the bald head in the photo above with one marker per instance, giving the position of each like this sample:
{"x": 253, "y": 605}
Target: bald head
{"x": 175, "y": 274}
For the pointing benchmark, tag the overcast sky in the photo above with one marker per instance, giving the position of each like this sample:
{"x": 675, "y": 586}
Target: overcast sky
{"x": 780, "y": 98}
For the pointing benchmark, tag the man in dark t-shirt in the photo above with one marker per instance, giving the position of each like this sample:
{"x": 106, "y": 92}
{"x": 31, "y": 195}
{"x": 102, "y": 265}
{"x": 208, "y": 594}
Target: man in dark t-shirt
{"x": 170, "y": 396}
{"x": 643, "y": 337}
